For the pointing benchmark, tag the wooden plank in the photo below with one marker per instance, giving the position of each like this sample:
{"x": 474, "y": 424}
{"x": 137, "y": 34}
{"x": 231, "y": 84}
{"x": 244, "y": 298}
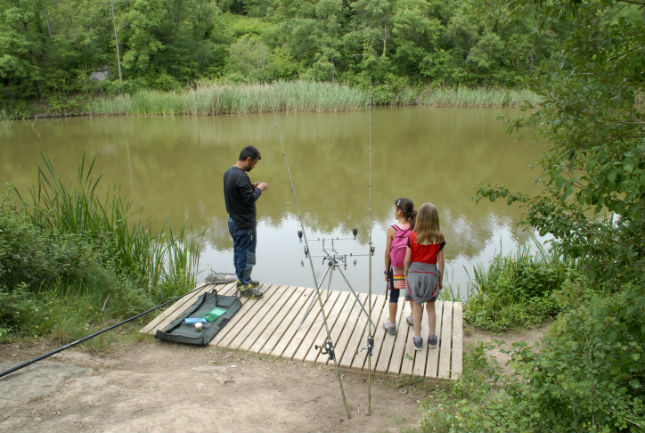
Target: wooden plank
{"x": 178, "y": 309}
{"x": 352, "y": 326}
{"x": 421, "y": 356}
{"x": 232, "y": 327}
{"x": 457, "y": 340}
{"x": 433, "y": 356}
{"x": 402, "y": 335}
{"x": 280, "y": 336}
{"x": 358, "y": 337}
{"x": 315, "y": 336}
{"x": 278, "y": 318}
{"x": 360, "y": 360}
{"x": 407, "y": 360}
{"x": 445, "y": 341}
{"x": 243, "y": 317}
{"x": 337, "y": 320}
{"x": 389, "y": 341}
{"x": 311, "y": 317}
{"x": 262, "y": 319}
{"x": 300, "y": 326}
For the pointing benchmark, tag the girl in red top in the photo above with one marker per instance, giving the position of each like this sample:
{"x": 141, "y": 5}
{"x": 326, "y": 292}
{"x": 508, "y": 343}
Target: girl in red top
{"x": 423, "y": 267}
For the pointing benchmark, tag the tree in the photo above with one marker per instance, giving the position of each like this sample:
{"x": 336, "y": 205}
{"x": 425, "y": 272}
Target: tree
{"x": 594, "y": 171}
{"x": 23, "y": 38}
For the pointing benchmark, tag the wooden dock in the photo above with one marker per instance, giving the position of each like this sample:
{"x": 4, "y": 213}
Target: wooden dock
{"x": 286, "y": 322}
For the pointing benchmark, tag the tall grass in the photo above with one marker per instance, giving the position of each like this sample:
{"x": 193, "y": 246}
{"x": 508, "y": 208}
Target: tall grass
{"x": 211, "y": 98}
{"x": 72, "y": 259}
{"x": 478, "y": 97}
{"x": 137, "y": 251}
{"x": 516, "y": 291}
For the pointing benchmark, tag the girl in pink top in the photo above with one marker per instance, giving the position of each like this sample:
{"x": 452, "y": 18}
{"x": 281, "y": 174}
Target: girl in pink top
{"x": 395, "y": 248}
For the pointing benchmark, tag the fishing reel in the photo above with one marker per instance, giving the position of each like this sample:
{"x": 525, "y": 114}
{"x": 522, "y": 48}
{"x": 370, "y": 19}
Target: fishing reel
{"x": 369, "y": 347}
{"x": 328, "y": 349}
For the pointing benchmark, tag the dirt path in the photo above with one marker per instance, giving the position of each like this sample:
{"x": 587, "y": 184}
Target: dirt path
{"x": 152, "y": 386}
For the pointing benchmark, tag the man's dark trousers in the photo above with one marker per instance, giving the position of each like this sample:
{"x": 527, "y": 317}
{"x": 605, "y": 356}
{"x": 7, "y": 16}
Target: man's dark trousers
{"x": 244, "y": 243}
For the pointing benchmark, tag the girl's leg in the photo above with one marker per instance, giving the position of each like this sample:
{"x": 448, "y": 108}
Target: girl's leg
{"x": 432, "y": 317}
{"x": 393, "y": 306}
{"x": 394, "y": 302}
{"x": 417, "y": 310}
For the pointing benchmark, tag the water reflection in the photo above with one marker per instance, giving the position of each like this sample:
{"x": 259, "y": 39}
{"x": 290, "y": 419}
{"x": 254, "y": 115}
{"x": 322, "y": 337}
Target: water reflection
{"x": 171, "y": 169}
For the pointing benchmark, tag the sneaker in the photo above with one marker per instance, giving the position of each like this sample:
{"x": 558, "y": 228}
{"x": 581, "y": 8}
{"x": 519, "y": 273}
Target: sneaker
{"x": 254, "y": 284}
{"x": 248, "y": 291}
{"x": 390, "y": 327}
{"x": 432, "y": 341}
{"x": 418, "y": 343}
{"x": 239, "y": 287}
{"x": 410, "y": 320}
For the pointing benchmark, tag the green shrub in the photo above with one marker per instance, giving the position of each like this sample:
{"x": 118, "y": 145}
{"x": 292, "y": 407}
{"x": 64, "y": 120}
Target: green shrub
{"x": 587, "y": 375}
{"x": 515, "y": 291}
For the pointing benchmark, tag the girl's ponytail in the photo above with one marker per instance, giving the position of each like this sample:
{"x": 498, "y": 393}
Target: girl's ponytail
{"x": 412, "y": 218}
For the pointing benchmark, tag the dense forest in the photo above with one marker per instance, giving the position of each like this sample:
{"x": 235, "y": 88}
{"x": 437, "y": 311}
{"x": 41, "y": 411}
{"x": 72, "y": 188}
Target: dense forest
{"x": 50, "y": 48}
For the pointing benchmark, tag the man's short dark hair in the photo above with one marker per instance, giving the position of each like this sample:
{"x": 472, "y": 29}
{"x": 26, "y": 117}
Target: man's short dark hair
{"x": 249, "y": 151}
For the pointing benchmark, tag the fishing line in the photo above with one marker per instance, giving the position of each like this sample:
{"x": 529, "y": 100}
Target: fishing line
{"x": 328, "y": 346}
{"x": 74, "y": 343}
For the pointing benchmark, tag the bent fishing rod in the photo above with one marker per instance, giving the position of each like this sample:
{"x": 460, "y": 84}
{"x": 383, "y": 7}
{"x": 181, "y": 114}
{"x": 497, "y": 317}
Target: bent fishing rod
{"x": 328, "y": 347}
{"x": 81, "y": 340}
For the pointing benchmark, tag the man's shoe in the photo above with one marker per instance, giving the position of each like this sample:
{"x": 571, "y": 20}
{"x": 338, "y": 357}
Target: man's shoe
{"x": 254, "y": 284}
{"x": 249, "y": 292}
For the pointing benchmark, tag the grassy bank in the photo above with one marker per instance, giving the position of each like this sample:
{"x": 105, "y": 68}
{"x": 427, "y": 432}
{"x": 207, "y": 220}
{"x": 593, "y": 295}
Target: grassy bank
{"x": 73, "y": 260}
{"x": 210, "y": 98}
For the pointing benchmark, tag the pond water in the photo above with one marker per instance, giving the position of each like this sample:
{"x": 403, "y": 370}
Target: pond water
{"x": 171, "y": 170}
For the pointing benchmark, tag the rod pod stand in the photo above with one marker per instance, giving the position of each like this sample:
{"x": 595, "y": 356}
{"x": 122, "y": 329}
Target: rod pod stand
{"x": 333, "y": 264}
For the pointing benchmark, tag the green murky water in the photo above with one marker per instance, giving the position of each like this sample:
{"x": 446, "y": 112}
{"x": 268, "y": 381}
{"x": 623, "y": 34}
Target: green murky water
{"x": 171, "y": 170}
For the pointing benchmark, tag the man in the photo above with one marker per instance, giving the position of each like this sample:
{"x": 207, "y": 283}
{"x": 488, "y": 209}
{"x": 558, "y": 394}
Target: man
{"x": 240, "y": 196}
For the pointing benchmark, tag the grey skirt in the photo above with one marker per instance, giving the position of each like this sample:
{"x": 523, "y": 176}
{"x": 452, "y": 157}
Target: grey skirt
{"x": 423, "y": 282}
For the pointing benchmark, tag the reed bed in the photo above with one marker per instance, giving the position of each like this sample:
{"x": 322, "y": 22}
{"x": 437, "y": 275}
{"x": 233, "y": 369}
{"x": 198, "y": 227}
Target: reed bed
{"x": 478, "y": 97}
{"x": 211, "y": 98}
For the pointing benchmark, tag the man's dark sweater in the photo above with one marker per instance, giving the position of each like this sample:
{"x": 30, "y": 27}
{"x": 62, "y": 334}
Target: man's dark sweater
{"x": 240, "y": 197}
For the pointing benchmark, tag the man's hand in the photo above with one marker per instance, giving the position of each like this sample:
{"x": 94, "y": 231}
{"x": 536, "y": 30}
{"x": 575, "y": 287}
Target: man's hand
{"x": 262, "y": 185}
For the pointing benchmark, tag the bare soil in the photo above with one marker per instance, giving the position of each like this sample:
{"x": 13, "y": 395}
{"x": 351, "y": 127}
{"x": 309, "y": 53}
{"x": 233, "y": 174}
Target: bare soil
{"x": 153, "y": 386}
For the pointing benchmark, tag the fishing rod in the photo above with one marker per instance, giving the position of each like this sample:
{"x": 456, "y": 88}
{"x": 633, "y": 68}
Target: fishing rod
{"x": 370, "y": 337}
{"x": 328, "y": 347}
{"x": 79, "y": 341}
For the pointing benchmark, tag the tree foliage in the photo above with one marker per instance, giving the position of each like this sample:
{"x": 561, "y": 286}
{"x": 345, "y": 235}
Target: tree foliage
{"x": 588, "y": 375}
{"x": 49, "y": 48}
